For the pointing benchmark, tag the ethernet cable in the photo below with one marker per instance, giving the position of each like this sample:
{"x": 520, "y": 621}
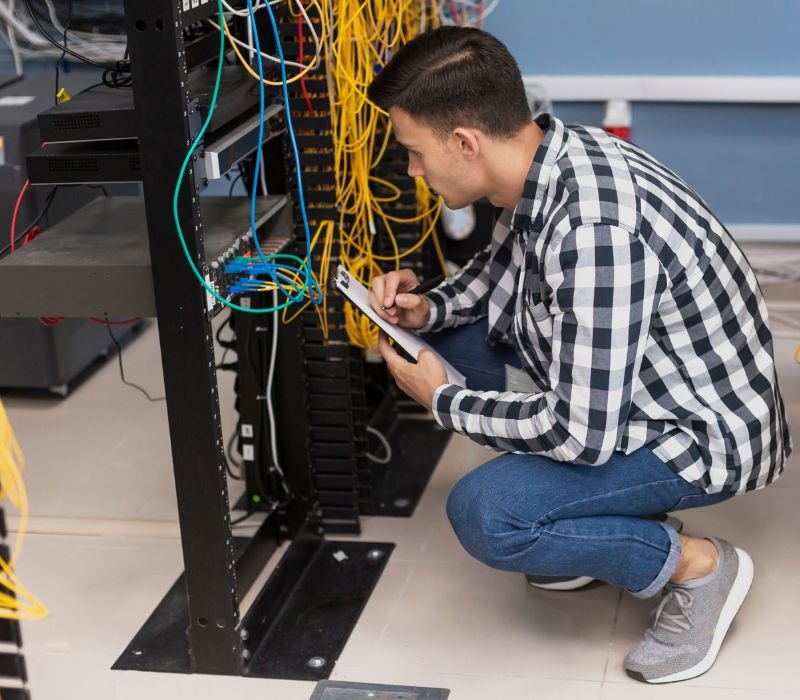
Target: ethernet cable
{"x": 309, "y": 282}
{"x": 258, "y": 76}
{"x": 355, "y": 38}
{"x": 290, "y": 129}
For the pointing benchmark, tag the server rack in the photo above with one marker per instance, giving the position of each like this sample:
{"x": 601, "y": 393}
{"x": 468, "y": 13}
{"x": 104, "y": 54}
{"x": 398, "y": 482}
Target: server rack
{"x": 341, "y": 386}
{"x": 198, "y": 626}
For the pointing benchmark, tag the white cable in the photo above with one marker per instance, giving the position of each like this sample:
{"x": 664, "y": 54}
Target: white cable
{"x": 11, "y": 38}
{"x": 36, "y": 46}
{"x": 244, "y": 12}
{"x": 24, "y": 31}
{"x": 75, "y": 38}
{"x": 250, "y": 39}
{"x": 249, "y": 46}
{"x": 386, "y": 446}
{"x": 262, "y": 177}
{"x": 273, "y": 440}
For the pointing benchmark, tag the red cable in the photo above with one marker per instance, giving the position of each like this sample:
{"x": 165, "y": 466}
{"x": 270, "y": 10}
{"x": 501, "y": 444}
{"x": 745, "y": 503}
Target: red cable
{"x": 50, "y": 321}
{"x": 454, "y": 10}
{"x": 113, "y": 323}
{"x": 16, "y": 211}
{"x": 33, "y": 233}
{"x": 300, "y": 60}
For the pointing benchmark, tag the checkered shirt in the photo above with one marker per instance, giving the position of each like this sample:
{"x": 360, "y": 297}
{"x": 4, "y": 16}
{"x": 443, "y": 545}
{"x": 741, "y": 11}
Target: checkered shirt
{"x": 635, "y": 314}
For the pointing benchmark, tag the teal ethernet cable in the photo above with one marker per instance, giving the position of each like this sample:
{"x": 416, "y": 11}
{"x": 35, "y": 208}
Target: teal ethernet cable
{"x": 316, "y": 298}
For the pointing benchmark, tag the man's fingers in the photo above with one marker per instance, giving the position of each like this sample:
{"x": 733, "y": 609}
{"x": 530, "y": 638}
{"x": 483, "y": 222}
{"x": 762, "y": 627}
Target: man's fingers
{"x": 384, "y": 288}
{"x": 375, "y": 304}
{"x": 408, "y": 301}
{"x": 384, "y": 348}
{"x": 407, "y": 279}
{"x": 376, "y": 291}
{"x": 387, "y": 286}
{"x": 386, "y": 314}
{"x": 390, "y": 290}
{"x": 389, "y": 354}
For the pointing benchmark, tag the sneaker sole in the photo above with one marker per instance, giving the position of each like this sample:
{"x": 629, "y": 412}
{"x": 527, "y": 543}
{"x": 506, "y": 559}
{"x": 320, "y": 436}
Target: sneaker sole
{"x": 739, "y": 590}
{"x": 571, "y": 585}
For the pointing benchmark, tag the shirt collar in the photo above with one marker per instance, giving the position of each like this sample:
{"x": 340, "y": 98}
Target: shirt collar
{"x": 553, "y": 144}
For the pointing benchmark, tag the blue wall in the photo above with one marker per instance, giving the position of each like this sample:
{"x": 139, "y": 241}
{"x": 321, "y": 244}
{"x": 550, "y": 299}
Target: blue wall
{"x": 659, "y": 37}
{"x": 744, "y": 160}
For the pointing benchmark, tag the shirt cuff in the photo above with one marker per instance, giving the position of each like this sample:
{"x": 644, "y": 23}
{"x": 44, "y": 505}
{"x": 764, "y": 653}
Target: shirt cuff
{"x": 443, "y": 400}
{"x": 437, "y": 313}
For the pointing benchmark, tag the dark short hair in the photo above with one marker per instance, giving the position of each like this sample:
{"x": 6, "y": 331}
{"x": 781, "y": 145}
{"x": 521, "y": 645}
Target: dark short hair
{"x": 455, "y": 76}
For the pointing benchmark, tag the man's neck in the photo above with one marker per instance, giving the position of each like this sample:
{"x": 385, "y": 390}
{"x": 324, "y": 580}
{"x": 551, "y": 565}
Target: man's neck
{"x": 510, "y": 164}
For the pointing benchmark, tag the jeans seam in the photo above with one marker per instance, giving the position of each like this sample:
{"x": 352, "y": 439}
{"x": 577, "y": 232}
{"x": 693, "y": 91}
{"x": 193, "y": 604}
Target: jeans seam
{"x": 605, "y": 538}
{"x": 547, "y": 516}
{"x": 480, "y": 368}
{"x": 667, "y": 569}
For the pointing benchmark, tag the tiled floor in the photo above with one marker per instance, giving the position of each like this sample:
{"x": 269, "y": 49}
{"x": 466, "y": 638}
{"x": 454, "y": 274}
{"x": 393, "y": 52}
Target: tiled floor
{"x": 103, "y": 549}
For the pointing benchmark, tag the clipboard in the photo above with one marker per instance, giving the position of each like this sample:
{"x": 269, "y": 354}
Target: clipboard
{"x": 357, "y": 294}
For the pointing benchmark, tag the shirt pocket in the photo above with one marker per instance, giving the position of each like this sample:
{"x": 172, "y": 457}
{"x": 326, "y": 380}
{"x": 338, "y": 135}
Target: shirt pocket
{"x": 536, "y": 310}
{"x": 535, "y": 341}
{"x": 540, "y": 322}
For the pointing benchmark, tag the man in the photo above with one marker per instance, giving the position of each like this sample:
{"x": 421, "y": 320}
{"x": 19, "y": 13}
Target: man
{"x": 638, "y": 323}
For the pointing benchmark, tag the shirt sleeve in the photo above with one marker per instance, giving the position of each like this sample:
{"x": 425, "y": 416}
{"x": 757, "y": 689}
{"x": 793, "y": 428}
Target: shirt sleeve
{"x": 606, "y": 286}
{"x": 461, "y": 299}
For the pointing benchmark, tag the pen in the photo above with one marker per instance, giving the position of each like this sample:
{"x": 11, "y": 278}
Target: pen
{"x": 421, "y": 289}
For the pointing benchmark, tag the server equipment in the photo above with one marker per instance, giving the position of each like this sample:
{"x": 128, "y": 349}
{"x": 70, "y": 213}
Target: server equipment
{"x": 305, "y": 417}
{"x": 33, "y": 356}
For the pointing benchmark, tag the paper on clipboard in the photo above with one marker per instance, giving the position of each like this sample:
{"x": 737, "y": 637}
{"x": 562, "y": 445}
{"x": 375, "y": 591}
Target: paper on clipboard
{"x": 358, "y": 294}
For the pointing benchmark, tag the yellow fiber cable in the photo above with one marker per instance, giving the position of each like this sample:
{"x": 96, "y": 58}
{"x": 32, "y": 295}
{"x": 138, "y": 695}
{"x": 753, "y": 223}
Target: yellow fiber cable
{"x": 355, "y": 37}
{"x": 364, "y": 35}
{"x": 16, "y": 601}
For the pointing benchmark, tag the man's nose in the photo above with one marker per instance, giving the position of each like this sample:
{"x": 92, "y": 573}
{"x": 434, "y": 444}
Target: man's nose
{"x": 414, "y": 169}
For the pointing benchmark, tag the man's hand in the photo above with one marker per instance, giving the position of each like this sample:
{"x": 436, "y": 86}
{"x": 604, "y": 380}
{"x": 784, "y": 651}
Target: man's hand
{"x": 421, "y": 380}
{"x": 390, "y": 299}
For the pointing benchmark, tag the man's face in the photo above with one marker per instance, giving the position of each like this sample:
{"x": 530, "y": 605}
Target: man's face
{"x": 435, "y": 159}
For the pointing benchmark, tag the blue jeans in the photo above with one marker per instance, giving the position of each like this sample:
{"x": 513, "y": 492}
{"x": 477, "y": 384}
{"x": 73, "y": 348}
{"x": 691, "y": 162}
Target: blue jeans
{"x": 533, "y": 515}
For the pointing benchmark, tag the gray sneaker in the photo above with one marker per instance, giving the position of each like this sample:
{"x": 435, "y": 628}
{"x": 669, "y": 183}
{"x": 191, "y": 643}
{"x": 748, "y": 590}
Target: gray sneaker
{"x": 692, "y": 620}
{"x": 573, "y": 583}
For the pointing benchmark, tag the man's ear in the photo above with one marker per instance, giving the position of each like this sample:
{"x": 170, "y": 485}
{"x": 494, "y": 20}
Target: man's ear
{"x": 466, "y": 142}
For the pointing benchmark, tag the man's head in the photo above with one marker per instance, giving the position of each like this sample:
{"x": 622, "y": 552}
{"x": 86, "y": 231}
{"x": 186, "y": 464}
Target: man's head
{"x": 452, "y": 94}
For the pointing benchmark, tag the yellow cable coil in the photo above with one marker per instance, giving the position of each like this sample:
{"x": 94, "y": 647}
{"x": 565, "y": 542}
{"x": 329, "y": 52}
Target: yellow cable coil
{"x": 363, "y": 36}
{"x": 16, "y": 601}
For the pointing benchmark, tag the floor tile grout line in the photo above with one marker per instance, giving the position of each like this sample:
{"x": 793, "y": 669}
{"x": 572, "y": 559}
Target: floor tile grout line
{"x": 611, "y": 638}
{"x": 391, "y": 615}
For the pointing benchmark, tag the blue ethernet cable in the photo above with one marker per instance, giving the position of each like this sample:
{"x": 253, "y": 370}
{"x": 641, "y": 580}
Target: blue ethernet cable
{"x": 316, "y": 293}
{"x": 317, "y": 299}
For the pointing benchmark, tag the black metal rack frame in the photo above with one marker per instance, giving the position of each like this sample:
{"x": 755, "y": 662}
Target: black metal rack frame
{"x": 198, "y": 626}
